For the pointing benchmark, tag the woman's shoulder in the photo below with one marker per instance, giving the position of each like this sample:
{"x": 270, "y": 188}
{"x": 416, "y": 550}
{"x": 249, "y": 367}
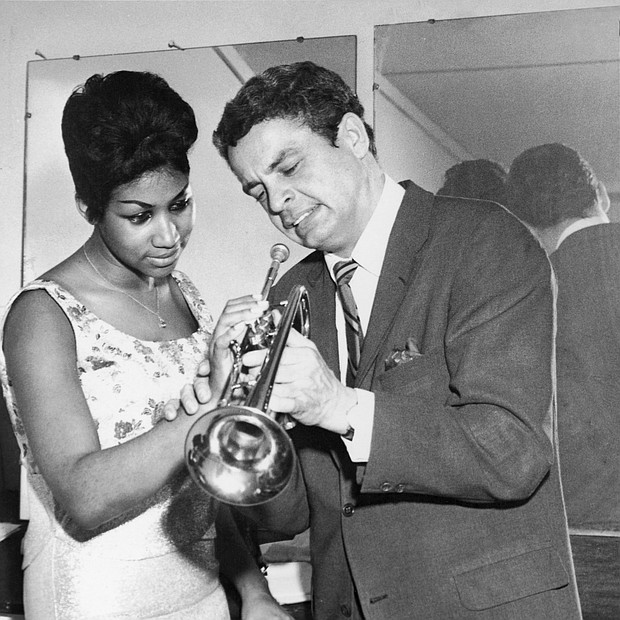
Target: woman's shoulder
{"x": 36, "y": 298}
{"x": 192, "y": 295}
{"x": 43, "y": 293}
{"x": 34, "y": 322}
{"x": 185, "y": 282}
{"x": 43, "y": 304}
{"x": 68, "y": 274}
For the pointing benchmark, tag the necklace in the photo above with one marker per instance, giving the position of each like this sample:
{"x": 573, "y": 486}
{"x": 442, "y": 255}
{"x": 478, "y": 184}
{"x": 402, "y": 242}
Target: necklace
{"x": 155, "y": 312}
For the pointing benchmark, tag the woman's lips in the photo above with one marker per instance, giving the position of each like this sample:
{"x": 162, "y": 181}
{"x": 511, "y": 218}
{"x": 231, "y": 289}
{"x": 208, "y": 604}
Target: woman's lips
{"x": 166, "y": 259}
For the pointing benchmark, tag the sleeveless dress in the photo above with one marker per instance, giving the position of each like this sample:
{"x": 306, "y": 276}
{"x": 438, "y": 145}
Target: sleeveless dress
{"x": 158, "y": 561}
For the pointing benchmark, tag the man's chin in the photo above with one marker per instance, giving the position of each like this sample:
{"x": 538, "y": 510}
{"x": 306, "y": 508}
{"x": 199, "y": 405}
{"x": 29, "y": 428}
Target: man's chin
{"x": 312, "y": 242}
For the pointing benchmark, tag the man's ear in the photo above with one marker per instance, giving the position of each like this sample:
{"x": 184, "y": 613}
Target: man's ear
{"x": 351, "y": 131}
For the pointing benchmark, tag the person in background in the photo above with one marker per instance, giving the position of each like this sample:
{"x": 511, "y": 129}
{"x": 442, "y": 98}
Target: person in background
{"x": 424, "y": 396}
{"x": 557, "y": 194}
{"x": 91, "y": 351}
{"x": 482, "y": 179}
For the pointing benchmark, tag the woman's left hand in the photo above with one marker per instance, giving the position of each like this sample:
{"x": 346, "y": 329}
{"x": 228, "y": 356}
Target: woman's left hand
{"x": 212, "y": 373}
{"x": 231, "y": 325}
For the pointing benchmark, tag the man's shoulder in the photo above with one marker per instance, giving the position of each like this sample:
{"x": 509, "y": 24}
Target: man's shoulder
{"x": 600, "y": 233}
{"x": 595, "y": 246}
{"x": 464, "y": 211}
{"x": 468, "y": 207}
{"x": 307, "y": 269}
{"x": 465, "y": 215}
{"x": 308, "y": 264}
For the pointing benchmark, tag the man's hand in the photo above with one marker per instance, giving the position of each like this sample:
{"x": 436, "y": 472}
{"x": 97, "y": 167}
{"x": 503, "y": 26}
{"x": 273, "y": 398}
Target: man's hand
{"x": 306, "y": 388}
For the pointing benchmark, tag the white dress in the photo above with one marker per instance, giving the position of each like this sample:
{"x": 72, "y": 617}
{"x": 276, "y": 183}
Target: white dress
{"x": 157, "y": 562}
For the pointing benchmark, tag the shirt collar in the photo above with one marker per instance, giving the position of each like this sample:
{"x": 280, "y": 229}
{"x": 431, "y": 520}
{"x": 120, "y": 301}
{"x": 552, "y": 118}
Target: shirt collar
{"x": 369, "y": 251}
{"x": 584, "y": 222}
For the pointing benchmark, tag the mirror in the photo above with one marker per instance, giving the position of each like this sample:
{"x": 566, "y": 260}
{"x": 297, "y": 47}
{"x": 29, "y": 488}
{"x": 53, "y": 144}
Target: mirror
{"x": 492, "y": 87}
{"x": 228, "y": 254}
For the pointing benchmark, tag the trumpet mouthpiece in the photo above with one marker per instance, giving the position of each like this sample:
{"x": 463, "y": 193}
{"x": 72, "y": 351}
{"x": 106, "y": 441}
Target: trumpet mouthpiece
{"x": 279, "y": 252}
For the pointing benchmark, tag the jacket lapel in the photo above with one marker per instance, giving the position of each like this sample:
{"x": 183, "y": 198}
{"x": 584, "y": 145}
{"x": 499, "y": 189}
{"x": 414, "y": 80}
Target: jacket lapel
{"x": 322, "y": 294}
{"x": 400, "y": 265}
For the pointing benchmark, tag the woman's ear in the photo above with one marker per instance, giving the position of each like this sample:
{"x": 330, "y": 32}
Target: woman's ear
{"x": 82, "y": 209}
{"x": 352, "y": 131}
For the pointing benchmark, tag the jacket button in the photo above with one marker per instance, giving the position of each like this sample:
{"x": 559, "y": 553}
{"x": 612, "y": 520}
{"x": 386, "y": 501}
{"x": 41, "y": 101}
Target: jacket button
{"x": 386, "y": 486}
{"x": 400, "y": 488}
{"x": 348, "y": 510}
{"x": 345, "y": 610}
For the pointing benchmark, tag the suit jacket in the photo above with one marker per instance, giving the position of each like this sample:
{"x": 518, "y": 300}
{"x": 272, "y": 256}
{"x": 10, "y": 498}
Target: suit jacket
{"x": 587, "y": 265}
{"x": 458, "y": 512}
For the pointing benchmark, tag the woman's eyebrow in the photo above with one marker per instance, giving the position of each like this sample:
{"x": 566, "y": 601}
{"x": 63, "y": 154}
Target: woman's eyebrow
{"x": 146, "y": 205}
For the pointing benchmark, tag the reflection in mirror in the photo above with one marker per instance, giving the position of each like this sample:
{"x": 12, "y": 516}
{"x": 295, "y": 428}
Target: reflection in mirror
{"x": 492, "y": 87}
{"x": 229, "y": 249}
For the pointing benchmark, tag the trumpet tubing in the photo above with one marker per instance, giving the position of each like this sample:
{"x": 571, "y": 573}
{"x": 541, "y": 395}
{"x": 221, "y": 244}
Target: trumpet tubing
{"x": 240, "y": 453}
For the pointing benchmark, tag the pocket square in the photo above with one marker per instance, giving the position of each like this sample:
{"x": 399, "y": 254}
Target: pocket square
{"x": 400, "y": 356}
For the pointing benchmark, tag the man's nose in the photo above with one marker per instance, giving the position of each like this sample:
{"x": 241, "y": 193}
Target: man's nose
{"x": 280, "y": 199}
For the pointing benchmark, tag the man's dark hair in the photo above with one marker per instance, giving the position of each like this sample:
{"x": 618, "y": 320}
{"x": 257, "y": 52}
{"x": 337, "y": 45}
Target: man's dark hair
{"x": 314, "y": 95}
{"x": 117, "y": 127}
{"x": 551, "y": 183}
{"x": 483, "y": 179}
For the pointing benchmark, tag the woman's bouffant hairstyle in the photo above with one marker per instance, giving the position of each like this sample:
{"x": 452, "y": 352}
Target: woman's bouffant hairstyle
{"x": 314, "y": 95}
{"x": 482, "y": 179}
{"x": 119, "y": 126}
{"x": 550, "y": 183}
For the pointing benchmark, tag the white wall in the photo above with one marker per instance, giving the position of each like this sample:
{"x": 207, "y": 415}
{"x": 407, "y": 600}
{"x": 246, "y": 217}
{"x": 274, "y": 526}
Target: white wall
{"x": 409, "y": 145}
{"x": 59, "y": 29}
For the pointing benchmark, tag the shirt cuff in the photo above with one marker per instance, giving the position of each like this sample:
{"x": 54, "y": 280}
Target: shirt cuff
{"x": 361, "y": 417}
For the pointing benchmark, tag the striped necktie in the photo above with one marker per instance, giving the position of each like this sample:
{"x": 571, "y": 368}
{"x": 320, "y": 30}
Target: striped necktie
{"x": 343, "y": 272}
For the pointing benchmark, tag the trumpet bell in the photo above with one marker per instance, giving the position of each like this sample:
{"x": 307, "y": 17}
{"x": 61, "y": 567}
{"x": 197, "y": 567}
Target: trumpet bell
{"x": 240, "y": 455}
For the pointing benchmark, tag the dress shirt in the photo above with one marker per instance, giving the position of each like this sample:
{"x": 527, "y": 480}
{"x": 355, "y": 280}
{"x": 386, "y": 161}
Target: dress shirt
{"x": 368, "y": 253}
{"x": 583, "y": 222}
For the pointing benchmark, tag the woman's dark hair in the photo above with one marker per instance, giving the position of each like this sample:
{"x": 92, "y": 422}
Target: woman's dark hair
{"x": 314, "y": 95}
{"x": 550, "y": 183}
{"x": 483, "y": 179}
{"x": 117, "y": 127}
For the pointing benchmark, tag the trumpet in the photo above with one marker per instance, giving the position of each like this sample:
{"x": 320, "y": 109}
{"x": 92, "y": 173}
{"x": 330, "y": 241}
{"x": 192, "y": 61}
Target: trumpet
{"x": 241, "y": 453}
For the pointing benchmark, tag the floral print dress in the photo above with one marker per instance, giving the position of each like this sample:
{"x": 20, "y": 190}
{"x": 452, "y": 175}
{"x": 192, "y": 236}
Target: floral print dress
{"x": 158, "y": 561}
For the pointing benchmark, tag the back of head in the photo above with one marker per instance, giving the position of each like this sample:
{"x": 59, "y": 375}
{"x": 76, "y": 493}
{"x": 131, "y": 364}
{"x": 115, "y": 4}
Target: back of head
{"x": 314, "y": 95}
{"x": 476, "y": 178}
{"x": 117, "y": 127}
{"x": 550, "y": 183}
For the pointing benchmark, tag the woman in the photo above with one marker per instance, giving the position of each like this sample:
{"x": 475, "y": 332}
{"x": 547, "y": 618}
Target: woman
{"x": 91, "y": 352}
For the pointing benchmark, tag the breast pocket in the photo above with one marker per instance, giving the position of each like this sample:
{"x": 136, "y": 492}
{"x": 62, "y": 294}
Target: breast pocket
{"x": 421, "y": 373}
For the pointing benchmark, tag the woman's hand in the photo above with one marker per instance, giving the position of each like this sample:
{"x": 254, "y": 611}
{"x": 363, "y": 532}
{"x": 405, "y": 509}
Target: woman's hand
{"x": 212, "y": 374}
{"x": 262, "y": 606}
{"x": 231, "y": 325}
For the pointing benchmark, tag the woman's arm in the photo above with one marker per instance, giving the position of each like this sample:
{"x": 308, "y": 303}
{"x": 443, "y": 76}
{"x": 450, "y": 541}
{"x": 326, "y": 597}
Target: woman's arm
{"x": 239, "y": 565}
{"x": 92, "y": 485}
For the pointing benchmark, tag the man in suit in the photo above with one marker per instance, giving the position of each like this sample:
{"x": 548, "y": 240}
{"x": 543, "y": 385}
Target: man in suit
{"x": 427, "y": 470}
{"x": 556, "y": 192}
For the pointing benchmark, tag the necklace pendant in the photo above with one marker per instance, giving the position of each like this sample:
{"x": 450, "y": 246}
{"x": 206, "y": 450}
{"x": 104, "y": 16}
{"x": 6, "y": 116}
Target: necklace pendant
{"x": 162, "y": 323}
